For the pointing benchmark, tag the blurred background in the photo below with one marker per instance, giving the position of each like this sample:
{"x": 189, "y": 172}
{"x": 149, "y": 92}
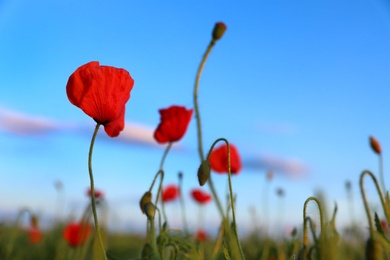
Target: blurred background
{"x": 297, "y": 86}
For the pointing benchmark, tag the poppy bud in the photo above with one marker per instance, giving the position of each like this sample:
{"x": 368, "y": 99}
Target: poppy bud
{"x": 204, "y": 172}
{"x": 150, "y": 210}
{"x": 373, "y": 249}
{"x": 375, "y": 145}
{"x": 219, "y": 30}
{"x": 146, "y": 198}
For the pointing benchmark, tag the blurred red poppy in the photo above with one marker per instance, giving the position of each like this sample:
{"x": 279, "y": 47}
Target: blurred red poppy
{"x": 170, "y": 193}
{"x": 200, "y": 196}
{"x": 219, "y": 159}
{"x": 98, "y": 193}
{"x": 34, "y": 235}
{"x": 201, "y": 235}
{"x": 101, "y": 92}
{"x": 76, "y": 233}
{"x": 174, "y": 122}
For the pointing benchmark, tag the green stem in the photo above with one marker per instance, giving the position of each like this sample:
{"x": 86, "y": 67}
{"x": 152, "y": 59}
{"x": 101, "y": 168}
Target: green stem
{"x": 153, "y": 239}
{"x": 381, "y": 173}
{"x": 305, "y": 231}
{"x": 93, "y": 203}
{"x": 230, "y": 192}
{"x": 385, "y": 209}
{"x": 196, "y": 106}
{"x": 183, "y": 210}
{"x": 199, "y": 124}
{"x": 165, "y": 155}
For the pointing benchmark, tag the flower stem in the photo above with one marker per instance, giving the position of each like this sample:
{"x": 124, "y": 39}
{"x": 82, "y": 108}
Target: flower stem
{"x": 381, "y": 172}
{"x": 385, "y": 209}
{"x": 153, "y": 239}
{"x": 199, "y": 124}
{"x": 230, "y": 191}
{"x": 196, "y": 105}
{"x": 183, "y": 210}
{"x": 93, "y": 203}
{"x": 306, "y": 219}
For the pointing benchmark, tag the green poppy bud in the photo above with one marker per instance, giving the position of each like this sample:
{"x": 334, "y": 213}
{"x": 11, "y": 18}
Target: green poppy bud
{"x": 146, "y": 198}
{"x": 150, "y": 210}
{"x": 204, "y": 172}
{"x": 219, "y": 30}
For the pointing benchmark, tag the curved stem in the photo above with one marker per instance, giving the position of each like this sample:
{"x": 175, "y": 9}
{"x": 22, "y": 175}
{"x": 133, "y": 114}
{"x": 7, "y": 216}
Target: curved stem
{"x": 196, "y": 106}
{"x": 154, "y": 180}
{"x": 93, "y": 203}
{"x": 230, "y": 191}
{"x": 199, "y": 124}
{"x": 165, "y": 155}
{"x": 385, "y": 209}
{"x": 305, "y": 231}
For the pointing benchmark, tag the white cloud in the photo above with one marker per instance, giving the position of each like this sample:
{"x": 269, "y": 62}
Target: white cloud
{"x": 287, "y": 166}
{"x": 22, "y": 124}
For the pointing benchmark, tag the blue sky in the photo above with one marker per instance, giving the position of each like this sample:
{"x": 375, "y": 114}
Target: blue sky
{"x": 297, "y": 86}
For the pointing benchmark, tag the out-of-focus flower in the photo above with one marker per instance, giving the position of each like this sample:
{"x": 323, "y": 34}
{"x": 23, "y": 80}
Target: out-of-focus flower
{"x": 170, "y": 193}
{"x": 58, "y": 185}
{"x": 201, "y": 235}
{"x": 384, "y": 225}
{"x": 76, "y": 234}
{"x": 34, "y": 235}
{"x": 280, "y": 192}
{"x": 270, "y": 175}
{"x": 98, "y": 193}
{"x": 101, "y": 92}
{"x": 219, "y": 159}
{"x": 173, "y": 125}
{"x": 200, "y": 196}
{"x": 375, "y": 145}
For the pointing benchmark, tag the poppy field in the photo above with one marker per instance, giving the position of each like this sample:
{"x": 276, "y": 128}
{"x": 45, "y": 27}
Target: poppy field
{"x": 102, "y": 92}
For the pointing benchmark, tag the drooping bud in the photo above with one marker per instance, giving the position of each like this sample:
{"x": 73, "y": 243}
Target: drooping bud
{"x": 150, "y": 210}
{"x": 146, "y": 198}
{"x": 204, "y": 172}
{"x": 375, "y": 145}
{"x": 219, "y": 30}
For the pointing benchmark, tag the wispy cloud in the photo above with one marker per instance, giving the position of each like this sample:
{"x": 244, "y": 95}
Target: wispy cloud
{"x": 287, "y": 166}
{"x": 137, "y": 134}
{"x": 21, "y": 124}
{"x": 17, "y": 123}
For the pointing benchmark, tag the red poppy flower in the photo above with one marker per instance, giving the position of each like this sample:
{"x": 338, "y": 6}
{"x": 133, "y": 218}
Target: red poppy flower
{"x": 101, "y": 92}
{"x": 219, "y": 159}
{"x": 200, "y": 196}
{"x": 201, "y": 235}
{"x": 76, "y": 233}
{"x": 34, "y": 235}
{"x": 170, "y": 192}
{"x": 173, "y": 125}
{"x": 98, "y": 193}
